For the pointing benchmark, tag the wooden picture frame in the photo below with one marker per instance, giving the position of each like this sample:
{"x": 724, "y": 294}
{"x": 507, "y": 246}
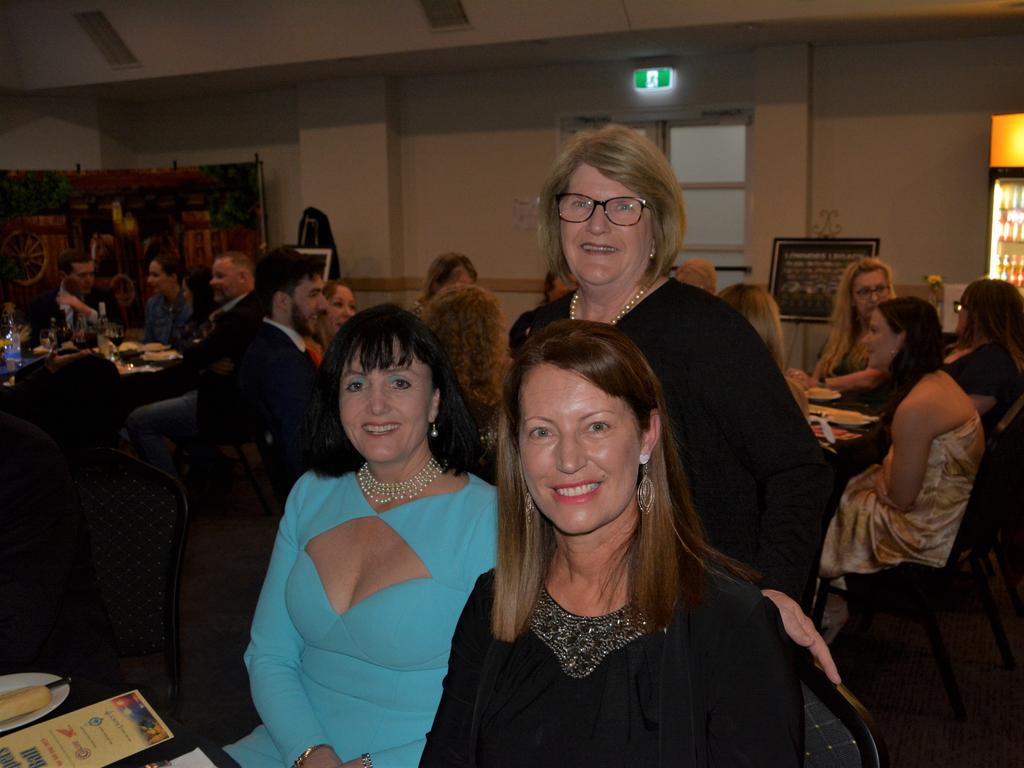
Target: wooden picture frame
{"x": 806, "y": 272}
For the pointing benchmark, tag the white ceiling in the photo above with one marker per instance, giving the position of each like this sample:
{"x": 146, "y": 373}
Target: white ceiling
{"x": 189, "y": 46}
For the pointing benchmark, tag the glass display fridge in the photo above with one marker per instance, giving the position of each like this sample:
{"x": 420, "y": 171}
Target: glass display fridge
{"x": 1006, "y": 199}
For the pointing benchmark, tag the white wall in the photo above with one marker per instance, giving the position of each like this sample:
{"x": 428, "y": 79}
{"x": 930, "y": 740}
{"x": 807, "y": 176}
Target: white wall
{"x": 892, "y": 136}
{"x": 44, "y": 133}
{"x": 900, "y": 146}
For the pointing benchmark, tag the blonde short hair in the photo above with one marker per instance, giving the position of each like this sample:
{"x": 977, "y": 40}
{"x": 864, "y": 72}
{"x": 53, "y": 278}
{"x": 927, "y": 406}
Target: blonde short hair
{"x": 630, "y": 158}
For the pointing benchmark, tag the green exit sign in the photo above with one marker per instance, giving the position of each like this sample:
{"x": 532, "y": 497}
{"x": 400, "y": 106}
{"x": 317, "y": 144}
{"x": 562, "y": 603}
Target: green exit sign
{"x": 653, "y": 79}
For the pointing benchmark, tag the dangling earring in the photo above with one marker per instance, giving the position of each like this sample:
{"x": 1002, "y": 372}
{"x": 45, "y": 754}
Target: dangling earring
{"x": 433, "y": 429}
{"x": 529, "y": 508}
{"x": 645, "y": 491}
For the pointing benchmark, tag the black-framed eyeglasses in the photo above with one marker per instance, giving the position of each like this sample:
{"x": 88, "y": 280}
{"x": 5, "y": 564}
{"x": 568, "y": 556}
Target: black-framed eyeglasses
{"x": 623, "y": 211}
{"x": 878, "y": 290}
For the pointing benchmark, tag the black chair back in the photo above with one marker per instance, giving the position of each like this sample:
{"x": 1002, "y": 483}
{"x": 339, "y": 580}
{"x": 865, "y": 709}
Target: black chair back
{"x": 137, "y": 518}
{"x": 838, "y": 731}
{"x": 998, "y": 486}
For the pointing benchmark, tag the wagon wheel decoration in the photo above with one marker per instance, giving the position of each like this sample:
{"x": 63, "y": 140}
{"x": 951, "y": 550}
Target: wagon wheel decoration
{"x": 123, "y": 288}
{"x": 26, "y": 248}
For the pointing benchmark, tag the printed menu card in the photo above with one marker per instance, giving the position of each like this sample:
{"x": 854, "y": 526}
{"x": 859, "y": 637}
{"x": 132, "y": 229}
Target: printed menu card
{"x": 90, "y": 737}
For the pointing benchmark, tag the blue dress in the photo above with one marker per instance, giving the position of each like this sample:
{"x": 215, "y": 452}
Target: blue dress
{"x": 369, "y": 679}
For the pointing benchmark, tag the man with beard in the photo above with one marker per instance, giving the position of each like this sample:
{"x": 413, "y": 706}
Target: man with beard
{"x": 199, "y": 397}
{"x": 277, "y": 373}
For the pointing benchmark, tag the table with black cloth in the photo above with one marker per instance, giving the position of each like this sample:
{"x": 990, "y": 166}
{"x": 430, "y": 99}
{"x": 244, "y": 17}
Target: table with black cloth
{"x": 83, "y": 693}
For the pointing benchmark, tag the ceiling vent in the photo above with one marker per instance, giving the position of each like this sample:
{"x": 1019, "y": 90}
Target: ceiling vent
{"x": 444, "y": 15}
{"x": 103, "y": 35}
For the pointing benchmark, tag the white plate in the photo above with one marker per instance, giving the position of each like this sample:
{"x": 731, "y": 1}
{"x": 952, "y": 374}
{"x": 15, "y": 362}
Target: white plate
{"x": 23, "y": 680}
{"x": 822, "y": 395}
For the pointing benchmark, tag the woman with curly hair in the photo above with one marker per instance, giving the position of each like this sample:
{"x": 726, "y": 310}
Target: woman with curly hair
{"x": 843, "y": 365}
{"x": 468, "y": 322}
{"x": 988, "y": 357}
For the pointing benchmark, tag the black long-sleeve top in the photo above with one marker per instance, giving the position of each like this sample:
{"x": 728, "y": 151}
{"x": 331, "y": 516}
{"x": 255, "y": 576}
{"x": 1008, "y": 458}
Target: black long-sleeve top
{"x": 717, "y": 688}
{"x": 759, "y": 480}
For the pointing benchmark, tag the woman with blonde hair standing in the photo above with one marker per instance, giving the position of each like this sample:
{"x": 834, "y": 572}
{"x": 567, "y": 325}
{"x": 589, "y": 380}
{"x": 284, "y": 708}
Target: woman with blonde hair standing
{"x": 843, "y": 365}
{"x": 611, "y": 215}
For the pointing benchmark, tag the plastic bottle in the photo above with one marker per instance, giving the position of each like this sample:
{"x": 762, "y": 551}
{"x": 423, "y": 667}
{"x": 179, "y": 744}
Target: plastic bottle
{"x": 12, "y": 339}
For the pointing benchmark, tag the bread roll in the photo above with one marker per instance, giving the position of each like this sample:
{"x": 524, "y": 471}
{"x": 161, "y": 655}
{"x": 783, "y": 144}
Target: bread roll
{"x": 21, "y": 701}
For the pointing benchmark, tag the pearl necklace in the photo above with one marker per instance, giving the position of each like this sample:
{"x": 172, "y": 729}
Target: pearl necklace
{"x": 382, "y": 493}
{"x": 622, "y": 312}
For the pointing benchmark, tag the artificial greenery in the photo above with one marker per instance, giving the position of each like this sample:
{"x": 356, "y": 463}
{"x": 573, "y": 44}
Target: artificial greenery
{"x": 30, "y": 194}
{"x": 236, "y": 205}
{"x": 11, "y": 269}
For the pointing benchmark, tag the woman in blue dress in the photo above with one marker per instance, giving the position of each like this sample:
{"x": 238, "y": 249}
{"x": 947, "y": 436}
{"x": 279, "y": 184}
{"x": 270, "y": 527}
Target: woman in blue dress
{"x": 379, "y": 547}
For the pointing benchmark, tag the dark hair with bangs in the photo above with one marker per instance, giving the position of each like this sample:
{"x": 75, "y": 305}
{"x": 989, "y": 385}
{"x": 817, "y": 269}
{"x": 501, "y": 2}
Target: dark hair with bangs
{"x": 668, "y": 555}
{"x": 379, "y": 338}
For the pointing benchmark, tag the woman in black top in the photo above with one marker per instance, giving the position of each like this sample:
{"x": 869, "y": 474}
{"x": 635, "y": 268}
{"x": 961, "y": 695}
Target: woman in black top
{"x": 758, "y": 478}
{"x": 987, "y": 360}
{"x": 610, "y": 633}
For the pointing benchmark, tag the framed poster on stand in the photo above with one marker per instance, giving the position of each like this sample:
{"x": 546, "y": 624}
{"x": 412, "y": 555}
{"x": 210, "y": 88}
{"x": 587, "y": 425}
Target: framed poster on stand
{"x": 806, "y": 273}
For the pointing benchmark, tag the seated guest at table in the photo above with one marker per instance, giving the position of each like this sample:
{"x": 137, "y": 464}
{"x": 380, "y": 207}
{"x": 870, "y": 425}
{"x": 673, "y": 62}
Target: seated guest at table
{"x": 987, "y": 360}
{"x": 77, "y": 296}
{"x": 908, "y": 509}
{"x": 51, "y": 616}
{"x": 761, "y": 311}
{"x": 446, "y": 269}
{"x": 843, "y": 365}
{"x": 74, "y": 398}
{"x": 167, "y": 311}
{"x": 699, "y": 273}
{"x": 277, "y": 371}
{"x": 199, "y": 295}
{"x": 341, "y": 305}
{"x": 468, "y": 322}
{"x": 555, "y": 287}
{"x": 607, "y": 612}
{"x": 376, "y": 554}
{"x": 206, "y": 399}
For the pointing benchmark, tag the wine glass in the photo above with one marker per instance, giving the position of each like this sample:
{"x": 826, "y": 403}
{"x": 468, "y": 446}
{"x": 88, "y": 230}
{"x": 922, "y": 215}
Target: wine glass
{"x": 81, "y": 332}
{"x": 115, "y": 332}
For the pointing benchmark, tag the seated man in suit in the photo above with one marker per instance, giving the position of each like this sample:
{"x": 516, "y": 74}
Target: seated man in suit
{"x": 277, "y": 372}
{"x": 200, "y": 397}
{"x": 76, "y": 296}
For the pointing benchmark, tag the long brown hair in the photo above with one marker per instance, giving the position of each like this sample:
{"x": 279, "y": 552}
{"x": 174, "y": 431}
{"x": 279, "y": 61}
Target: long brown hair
{"x": 995, "y": 312}
{"x": 846, "y": 330}
{"x": 667, "y": 557}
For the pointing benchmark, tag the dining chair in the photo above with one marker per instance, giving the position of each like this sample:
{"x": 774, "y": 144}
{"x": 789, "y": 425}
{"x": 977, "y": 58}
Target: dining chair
{"x": 997, "y": 496}
{"x": 137, "y": 518}
{"x": 839, "y": 732}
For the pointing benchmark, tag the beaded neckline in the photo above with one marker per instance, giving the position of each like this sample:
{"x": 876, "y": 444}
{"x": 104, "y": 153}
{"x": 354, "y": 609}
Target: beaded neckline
{"x": 581, "y": 643}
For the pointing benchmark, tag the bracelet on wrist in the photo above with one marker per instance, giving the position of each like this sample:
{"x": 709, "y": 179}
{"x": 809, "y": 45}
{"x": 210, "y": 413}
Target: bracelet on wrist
{"x": 366, "y": 760}
{"x": 301, "y": 759}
